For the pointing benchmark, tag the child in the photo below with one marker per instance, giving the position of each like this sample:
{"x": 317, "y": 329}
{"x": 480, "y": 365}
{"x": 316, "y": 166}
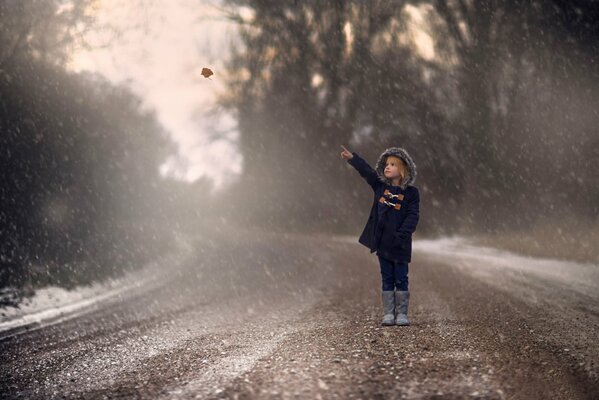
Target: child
{"x": 393, "y": 218}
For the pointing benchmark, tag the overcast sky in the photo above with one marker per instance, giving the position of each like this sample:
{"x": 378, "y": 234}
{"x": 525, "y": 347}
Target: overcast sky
{"x": 158, "y": 48}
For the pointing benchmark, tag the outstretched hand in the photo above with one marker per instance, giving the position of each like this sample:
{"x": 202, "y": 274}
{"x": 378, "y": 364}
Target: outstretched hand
{"x": 346, "y": 154}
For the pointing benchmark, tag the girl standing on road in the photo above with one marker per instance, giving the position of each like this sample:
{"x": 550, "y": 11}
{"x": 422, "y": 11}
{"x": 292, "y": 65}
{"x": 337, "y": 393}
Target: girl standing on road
{"x": 392, "y": 221}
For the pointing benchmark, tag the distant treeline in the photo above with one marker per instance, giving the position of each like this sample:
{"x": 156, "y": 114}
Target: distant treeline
{"x": 502, "y": 122}
{"x": 81, "y": 198}
{"x": 79, "y": 169}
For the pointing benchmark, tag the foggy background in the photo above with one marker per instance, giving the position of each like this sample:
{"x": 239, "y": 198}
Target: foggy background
{"x": 112, "y": 143}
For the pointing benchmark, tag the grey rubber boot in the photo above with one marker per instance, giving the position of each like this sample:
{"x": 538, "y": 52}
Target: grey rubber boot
{"x": 388, "y": 308}
{"x": 402, "y": 300}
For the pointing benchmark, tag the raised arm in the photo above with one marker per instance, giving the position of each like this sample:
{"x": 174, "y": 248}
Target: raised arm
{"x": 365, "y": 170}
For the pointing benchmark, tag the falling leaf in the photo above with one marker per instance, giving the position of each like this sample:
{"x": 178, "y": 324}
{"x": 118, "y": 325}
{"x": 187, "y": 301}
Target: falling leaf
{"x": 206, "y": 72}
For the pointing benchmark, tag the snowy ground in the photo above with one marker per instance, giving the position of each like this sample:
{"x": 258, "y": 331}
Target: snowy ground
{"x": 51, "y": 305}
{"x": 52, "y": 302}
{"x": 255, "y": 314}
{"x": 490, "y": 264}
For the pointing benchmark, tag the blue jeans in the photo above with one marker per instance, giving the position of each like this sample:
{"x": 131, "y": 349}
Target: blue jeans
{"x": 394, "y": 275}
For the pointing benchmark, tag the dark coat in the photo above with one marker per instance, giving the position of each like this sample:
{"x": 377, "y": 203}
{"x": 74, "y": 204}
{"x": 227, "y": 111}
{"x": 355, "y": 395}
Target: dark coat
{"x": 395, "y": 210}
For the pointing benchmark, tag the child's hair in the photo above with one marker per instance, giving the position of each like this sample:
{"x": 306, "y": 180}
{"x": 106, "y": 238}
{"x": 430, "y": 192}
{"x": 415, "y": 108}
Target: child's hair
{"x": 403, "y": 167}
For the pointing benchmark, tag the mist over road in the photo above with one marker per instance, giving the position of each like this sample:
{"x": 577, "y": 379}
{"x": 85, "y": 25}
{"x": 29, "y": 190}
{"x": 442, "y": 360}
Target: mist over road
{"x": 257, "y": 314}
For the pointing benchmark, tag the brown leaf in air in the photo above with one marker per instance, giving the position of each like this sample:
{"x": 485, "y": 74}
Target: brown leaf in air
{"x": 206, "y": 72}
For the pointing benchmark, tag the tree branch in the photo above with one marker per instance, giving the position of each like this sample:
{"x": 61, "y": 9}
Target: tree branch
{"x": 15, "y": 47}
{"x": 452, "y": 24}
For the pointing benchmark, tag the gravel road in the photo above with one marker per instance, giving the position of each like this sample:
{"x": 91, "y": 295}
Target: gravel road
{"x": 261, "y": 315}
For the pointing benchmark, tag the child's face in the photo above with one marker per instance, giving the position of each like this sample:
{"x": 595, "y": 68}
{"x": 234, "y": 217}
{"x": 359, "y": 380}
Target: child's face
{"x": 394, "y": 168}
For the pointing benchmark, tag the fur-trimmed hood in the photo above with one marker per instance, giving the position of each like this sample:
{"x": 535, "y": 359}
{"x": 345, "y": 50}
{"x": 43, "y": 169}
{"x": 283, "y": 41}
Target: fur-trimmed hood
{"x": 399, "y": 153}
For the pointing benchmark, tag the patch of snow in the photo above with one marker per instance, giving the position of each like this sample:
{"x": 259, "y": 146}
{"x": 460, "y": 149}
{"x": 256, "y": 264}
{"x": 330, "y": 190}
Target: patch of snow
{"x": 54, "y": 301}
{"x": 56, "y": 304}
{"x": 490, "y": 263}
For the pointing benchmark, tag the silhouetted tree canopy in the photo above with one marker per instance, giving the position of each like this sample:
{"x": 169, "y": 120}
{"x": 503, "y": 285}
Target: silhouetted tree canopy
{"x": 500, "y": 121}
{"x": 80, "y": 196}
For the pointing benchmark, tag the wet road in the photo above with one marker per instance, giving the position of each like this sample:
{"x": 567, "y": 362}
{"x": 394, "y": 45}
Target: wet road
{"x": 260, "y": 315}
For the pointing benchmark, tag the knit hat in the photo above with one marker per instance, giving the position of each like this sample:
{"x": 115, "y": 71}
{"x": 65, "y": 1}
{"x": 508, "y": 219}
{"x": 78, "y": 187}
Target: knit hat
{"x": 402, "y": 154}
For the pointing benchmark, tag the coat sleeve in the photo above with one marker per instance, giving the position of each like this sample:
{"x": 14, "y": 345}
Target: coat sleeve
{"x": 365, "y": 170}
{"x": 413, "y": 215}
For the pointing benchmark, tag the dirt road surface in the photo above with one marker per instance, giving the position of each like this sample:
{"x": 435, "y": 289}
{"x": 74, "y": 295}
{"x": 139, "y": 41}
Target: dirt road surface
{"x": 259, "y": 315}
